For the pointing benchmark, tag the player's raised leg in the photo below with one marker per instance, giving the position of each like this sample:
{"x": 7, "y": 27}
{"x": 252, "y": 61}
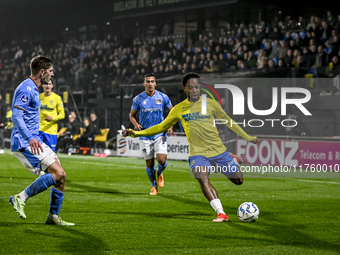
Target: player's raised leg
{"x": 34, "y": 163}
{"x": 202, "y": 175}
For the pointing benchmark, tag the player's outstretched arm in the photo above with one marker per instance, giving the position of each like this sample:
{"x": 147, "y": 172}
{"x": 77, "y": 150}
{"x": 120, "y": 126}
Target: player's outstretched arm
{"x": 170, "y": 120}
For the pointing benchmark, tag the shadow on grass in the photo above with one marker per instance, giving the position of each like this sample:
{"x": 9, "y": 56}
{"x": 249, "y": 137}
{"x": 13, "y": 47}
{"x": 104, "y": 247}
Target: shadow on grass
{"x": 97, "y": 189}
{"x": 71, "y": 240}
{"x": 277, "y": 234}
{"x": 187, "y": 215}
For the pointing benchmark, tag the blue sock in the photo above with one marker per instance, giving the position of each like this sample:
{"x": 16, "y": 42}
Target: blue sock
{"x": 152, "y": 175}
{"x": 57, "y": 198}
{"x": 40, "y": 184}
{"x": 161, "y": 168}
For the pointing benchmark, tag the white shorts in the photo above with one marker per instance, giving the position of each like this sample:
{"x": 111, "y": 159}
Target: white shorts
{"x": 36, "y": 163}
{"x": 152, "y": 147}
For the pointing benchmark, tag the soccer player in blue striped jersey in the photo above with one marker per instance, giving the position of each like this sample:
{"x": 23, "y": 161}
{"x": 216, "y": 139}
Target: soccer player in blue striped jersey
{"x": 151, "y": 105}
{"x": 28, "y": 147}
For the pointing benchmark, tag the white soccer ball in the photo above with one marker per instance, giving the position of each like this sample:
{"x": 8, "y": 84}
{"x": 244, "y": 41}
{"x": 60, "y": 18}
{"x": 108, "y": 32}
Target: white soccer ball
{"x": 248, "y": 212}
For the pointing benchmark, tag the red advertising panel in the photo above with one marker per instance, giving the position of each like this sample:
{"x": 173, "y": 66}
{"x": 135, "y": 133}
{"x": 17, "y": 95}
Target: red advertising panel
{"x": 293, "y": 153}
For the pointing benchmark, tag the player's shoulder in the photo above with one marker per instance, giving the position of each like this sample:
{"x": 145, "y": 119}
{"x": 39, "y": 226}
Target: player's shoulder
{"x": 55, "y": 95}
{"x": 26, "y": 86}
{"x": 139, "y": 97}
{"x": 157, "y": 92}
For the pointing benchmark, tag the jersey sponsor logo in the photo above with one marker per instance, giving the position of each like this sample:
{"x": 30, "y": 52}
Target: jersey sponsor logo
{"x": 44, "y": 107}
{"x": 152, "y": 110}
{"x": 194, "y": 116}
{"x": 24, "y": 99}
{"x": 158, "y": 101}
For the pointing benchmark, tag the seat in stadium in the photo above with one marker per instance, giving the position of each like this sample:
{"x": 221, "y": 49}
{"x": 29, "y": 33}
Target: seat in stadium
{"x": 101, "y": 139}
{"x": 61, "y": 131}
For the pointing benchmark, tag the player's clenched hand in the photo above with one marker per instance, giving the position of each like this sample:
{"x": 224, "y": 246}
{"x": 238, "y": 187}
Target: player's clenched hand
{"x": 35, "y": 146}
{"x": 128, "y": 132}
{"x": 138, "y": 127}
{"x": 49, "y": 118}
{"x": 255, "y": 141}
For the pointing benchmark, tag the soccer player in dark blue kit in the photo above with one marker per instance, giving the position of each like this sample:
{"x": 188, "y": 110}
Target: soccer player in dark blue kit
{"x": 28, "y": 148}
{"x": 151, "y": 105}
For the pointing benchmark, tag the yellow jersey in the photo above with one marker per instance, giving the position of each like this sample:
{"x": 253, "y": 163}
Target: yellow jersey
{"x": 200, "y": 129}
{"x": 51, "y": 106}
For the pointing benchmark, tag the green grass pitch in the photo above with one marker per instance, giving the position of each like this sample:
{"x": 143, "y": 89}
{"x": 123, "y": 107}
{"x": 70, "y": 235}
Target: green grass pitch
{"x": 108, "y": 200}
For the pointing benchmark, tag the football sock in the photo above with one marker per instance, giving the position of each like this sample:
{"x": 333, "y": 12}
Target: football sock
{"x": 23, "y": 195}
{"x": 57, "y": 198}
{"x": 40, "y": 184}
{"x": 217, "y": 206}
{"x": 161, "y": 168}
{"x": 152, "y": 175}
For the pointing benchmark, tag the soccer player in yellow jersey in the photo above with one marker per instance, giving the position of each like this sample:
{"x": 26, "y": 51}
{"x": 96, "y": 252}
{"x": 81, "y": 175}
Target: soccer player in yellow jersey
{"x": 52, "y": 110}
{"x": 206, "y": 150}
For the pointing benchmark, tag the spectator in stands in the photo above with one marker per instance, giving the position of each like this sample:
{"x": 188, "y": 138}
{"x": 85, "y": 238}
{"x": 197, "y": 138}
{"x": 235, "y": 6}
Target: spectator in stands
{"x": 330, "y": 19}
{"x": 314, "y": 28}
{"x": 73, "y": 128}
{"x": 276, "y": 49}
{"x": 271, "y": 65}
{"x": 296, "y": 53}
{"x": 321, "y": 58}
{"x": 283, "y": 50}
{"x": 312, "y": 56}
{"x": 326, "y": 31}
{"x": 95, "y": 122}
{"x": 333, "y": 45}
{"x": 288, "y": 58}
{"x": 85, "y": 140}
{"x": 269, "y": 48}
{"x": 275, "y": 34}
{"x": 252, "y": 60}
{"x": 292, "y": 45}
{"x": 260, "y": 59}
{"x": 305, "y": 54}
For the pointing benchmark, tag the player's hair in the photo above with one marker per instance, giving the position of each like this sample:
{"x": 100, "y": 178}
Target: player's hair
{"x": 188, "y": 76}
{"x": 149, "y": 75}
{"x": 40, "y": 62}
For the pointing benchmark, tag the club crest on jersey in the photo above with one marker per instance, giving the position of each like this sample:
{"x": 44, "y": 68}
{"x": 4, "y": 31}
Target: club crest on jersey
{"x": 158, "y": 101}
{"x": 24, "y": 99}
{"x": 51, "y": 101}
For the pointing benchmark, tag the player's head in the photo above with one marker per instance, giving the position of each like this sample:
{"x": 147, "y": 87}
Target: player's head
{"x": 48, "y": 87}
{"x": 191, "y": 86}
{"x": 42, "y": 68}
{"x": 149, "y": 83}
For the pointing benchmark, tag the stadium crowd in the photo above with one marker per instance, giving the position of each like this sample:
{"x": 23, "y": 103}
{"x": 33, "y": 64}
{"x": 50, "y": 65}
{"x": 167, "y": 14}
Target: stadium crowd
{"x": 105, "y": 63}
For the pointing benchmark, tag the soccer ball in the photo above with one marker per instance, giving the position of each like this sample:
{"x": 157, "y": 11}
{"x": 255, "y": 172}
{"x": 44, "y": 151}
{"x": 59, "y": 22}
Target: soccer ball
{"x": 248, "y": 212}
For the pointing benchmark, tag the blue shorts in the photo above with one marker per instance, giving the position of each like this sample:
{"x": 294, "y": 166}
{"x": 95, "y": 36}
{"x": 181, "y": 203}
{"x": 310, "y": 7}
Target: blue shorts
{"x": 222, "y": 163}
{"x": 50, "y": 140}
